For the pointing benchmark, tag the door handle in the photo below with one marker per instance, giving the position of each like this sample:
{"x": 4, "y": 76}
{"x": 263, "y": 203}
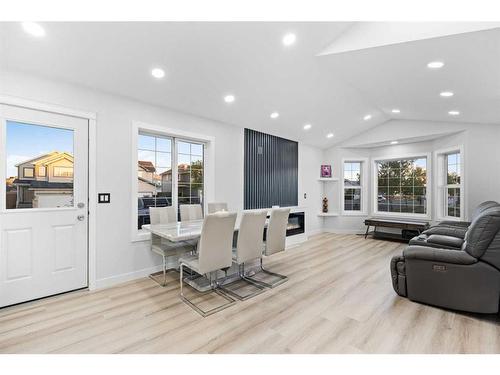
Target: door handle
{"x": 81, "y": 217}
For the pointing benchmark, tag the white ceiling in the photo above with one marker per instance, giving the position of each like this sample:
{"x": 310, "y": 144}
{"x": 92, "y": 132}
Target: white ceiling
{"x": 205, "y": 61}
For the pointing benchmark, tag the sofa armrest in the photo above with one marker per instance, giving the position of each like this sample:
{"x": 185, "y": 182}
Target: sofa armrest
{"x": 446, "y": 231}
{"x": 446, "y": 241}
{"x": 438, "y": 255}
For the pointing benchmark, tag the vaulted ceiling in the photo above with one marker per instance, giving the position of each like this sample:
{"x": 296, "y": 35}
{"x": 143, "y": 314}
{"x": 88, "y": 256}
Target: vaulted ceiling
{"x": 334, "y": 75}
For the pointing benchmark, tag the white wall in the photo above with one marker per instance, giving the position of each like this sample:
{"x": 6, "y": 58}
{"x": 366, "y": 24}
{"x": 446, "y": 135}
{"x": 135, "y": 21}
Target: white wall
{"x": 310, "y": 160}
{"x": 117, "y": 257}
{"x": 481, "y": 158}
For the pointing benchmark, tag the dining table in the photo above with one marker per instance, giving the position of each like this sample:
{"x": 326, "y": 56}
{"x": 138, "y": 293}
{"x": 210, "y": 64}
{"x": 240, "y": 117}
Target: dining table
{"x": 189, "y": 232}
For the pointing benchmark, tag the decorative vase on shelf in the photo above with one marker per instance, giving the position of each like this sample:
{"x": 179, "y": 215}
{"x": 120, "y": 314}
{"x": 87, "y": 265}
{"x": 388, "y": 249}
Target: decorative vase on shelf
{"x": 325, "y": 205}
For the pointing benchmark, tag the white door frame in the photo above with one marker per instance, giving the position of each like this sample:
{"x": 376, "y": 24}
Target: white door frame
{"x": 92, "y": 190}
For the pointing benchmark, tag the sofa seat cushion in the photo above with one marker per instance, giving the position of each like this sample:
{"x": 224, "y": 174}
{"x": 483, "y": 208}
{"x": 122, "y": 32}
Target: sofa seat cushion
{"x": 448, "y": 241}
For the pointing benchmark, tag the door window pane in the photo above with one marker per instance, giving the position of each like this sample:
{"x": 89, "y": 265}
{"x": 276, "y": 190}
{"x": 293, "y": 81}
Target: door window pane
{"x": 44, "y": 149}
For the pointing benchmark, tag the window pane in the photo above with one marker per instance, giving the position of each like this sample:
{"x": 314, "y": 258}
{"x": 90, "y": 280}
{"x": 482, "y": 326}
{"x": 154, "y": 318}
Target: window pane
{"x": 401, "y": 185}
{"x": 183, "y": 148}
{"x": 183, "y": 160}
{"x": 146, "y": 142}
{"x": 352, "y": 174}
{"x": 196, "y": 149}
{"x": 146, "y": 156}
{"x": 190, "y": 173}
{"x": 163, "y": 145}
{"x": 163, "y": 159}
{"x": 36, "y": 178}
{"x": 453, "y": 202}
{"x": 154, "y": 175}
{"x": 197, "y": 162}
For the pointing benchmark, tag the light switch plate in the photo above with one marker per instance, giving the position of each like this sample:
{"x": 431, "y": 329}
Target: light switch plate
{"x": 104, "y": 198}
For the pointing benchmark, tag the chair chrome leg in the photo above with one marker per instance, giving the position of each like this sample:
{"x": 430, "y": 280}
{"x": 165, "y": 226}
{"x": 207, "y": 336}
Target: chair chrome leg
{"x": 204, "y": 313}
{"x": 281, "y": 278}
{"x": 242, "y": 277}
{"x": 165, "y": 270}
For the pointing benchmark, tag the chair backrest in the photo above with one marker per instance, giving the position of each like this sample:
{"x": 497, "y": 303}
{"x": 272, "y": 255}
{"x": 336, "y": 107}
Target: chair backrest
{"x": 215, "y": 247}
{"x": 483, "y": 207}
{"x": 250, "y": 236}
{"x": 276, "y": 231}
{"x": 216, "y": 207}
{"x": 162, "y": 215}
{"x": 482, "y": 239}
{"x": 190, "y": 212}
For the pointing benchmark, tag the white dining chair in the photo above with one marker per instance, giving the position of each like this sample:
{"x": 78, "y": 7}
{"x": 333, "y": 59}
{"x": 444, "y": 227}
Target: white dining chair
{"x": 191, "y": 212}
{"x": 275, "y": 243}
{"x": 162, "y": 215}
{"x": 216, "y": 207}
{"x": 163, "y": 247}
{"x": 214, "y": 253}
{"x": 249, "y": 246}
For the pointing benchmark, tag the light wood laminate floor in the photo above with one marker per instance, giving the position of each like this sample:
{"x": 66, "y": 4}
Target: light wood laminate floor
{"x": 338, "y": 299}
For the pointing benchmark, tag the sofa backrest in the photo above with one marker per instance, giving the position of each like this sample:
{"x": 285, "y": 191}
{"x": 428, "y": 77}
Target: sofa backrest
{"x": 483, "y": 207}
{"x": 482, "y": 240}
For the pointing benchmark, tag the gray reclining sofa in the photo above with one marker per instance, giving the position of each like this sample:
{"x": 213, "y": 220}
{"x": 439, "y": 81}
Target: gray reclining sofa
{"x": 449, "y": 234}
{"x": 465, "y": 278}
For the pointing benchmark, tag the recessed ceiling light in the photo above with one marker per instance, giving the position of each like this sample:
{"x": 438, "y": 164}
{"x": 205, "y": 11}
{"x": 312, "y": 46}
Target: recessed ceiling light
{"x": 158, "y": 73}
{"x": 289, "y": 39}
{"x": 446, "y": 94}
{"x": 34, "y": 29}
{"x": 274, "y": 115}
{"x": 454, "y": 113}
{"x": 307, "y": 126}
{"x": 435, "y": 64}
{"x": 229, "y": 98}
{"x": 329, "y": 135}
{"x": 395, "y": 110}
{"x": 367, "y": 117}
{"x": 394, "y": 142}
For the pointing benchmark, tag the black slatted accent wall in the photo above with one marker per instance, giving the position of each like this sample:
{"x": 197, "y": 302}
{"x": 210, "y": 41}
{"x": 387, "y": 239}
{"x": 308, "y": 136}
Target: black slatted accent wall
{"x": 271, "y": 170}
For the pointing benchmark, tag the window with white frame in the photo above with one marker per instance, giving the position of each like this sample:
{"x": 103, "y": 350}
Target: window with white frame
{"x": 401, "y": 186}
{"x": 156, "y": 156}
{"x": 453, "y": 184}
{"x": 352, "y": 186}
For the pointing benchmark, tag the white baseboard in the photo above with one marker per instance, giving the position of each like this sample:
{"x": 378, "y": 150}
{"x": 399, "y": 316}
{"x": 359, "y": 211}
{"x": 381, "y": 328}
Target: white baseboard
{"x": 314, "y": 232}
{"x": 118, "y": 279}
{"x": 344, "y": 231}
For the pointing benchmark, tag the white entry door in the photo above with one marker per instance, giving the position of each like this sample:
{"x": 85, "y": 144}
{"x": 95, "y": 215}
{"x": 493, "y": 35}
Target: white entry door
{"x": 43, "y": 204}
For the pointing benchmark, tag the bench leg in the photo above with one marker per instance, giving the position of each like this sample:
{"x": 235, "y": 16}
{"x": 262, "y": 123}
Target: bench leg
{"x": 367, "y": 230}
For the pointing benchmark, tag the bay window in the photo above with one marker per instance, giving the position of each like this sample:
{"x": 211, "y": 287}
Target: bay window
{"x": 401, "y": 186}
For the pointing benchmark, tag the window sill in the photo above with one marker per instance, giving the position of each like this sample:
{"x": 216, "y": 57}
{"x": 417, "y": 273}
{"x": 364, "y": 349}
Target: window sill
{"x": 140, "y": 236}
